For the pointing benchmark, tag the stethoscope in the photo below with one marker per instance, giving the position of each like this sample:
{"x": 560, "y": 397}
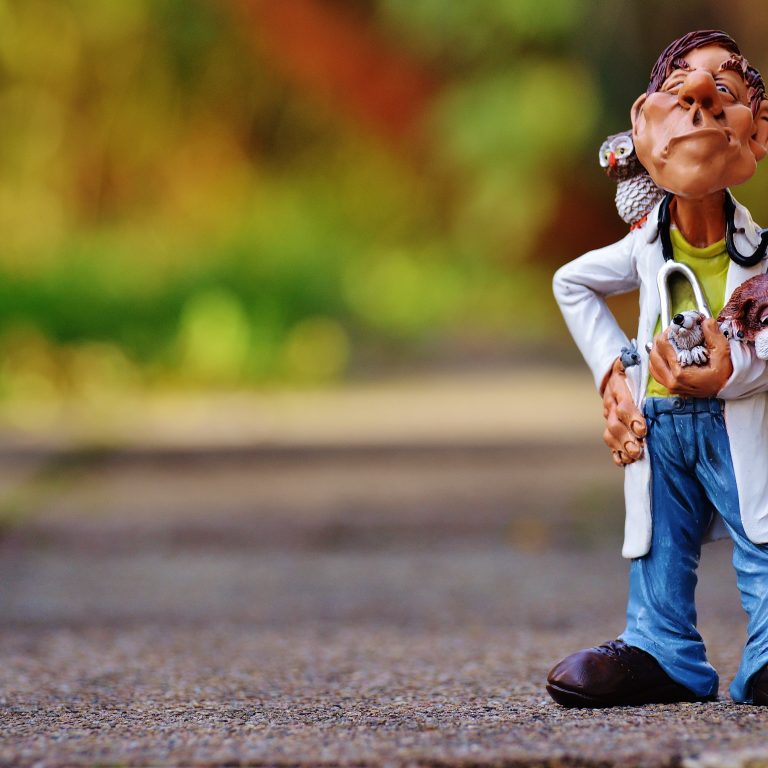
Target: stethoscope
{"x": 671, "y": 266}
{"x": 729, "y": 206}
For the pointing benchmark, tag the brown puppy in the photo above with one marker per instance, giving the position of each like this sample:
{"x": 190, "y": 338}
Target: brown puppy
{"x": 745, "y": 316}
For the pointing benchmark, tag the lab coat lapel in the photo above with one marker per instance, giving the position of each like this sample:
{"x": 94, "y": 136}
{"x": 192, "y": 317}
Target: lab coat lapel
{"x": 651, "y": 263}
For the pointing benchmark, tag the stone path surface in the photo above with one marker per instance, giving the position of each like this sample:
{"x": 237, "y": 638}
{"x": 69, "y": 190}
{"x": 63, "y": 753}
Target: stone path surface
{"x": 380, "y": 607}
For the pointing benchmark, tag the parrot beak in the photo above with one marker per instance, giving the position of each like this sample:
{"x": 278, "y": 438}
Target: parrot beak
{"x": 612, "y": 159}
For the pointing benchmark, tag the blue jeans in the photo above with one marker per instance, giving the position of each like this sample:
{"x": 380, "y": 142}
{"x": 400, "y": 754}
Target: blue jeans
{"x": 691, "y": 480}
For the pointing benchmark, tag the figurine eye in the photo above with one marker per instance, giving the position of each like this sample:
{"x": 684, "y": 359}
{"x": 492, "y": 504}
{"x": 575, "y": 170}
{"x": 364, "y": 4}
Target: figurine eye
{"x": 764, "y": 321}
{"x": 724, "y": 89}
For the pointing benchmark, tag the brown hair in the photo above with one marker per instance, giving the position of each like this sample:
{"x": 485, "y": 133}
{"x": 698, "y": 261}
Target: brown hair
{"x": 699, "y": 39}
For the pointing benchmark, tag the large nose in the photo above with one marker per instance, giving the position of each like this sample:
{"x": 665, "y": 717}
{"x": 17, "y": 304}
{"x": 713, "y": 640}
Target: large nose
{"x": 699, "y": 89}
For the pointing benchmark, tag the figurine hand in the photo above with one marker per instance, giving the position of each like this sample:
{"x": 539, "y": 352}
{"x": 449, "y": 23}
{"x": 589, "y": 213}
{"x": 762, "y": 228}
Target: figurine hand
{"x": 693, "y": 380}
{"x": 626, "y": 427}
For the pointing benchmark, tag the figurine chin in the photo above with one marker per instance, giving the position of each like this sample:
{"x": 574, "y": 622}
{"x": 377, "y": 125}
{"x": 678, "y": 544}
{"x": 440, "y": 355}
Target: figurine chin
{"x": 693, "y": 169}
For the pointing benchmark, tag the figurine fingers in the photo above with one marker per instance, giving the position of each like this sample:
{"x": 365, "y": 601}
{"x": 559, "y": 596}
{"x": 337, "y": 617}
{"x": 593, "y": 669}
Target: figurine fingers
{"x": 704, "y": 379}
{"x": 610, "y": 440}
{"x": 628, "y": 414}
{"x": 633, "y": 450}
{"x": 659, "y": 368}
{"x": 663, "y": 348}
{"x": 621, "y": 459}
{"x": 621, "y": 441}
{"x": 717, "y": 344}
{"x": 625, "y": 426}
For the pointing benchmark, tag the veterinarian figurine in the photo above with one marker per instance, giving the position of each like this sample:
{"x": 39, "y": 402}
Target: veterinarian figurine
{"x": 690, "y": 430}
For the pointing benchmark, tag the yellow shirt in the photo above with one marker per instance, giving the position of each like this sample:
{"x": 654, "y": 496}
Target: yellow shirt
{"x": 710, "y": 266}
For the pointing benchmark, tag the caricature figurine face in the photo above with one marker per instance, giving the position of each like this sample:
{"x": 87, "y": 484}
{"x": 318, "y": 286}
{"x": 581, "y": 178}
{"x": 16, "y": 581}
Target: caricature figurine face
{"x": 696, "y": 135}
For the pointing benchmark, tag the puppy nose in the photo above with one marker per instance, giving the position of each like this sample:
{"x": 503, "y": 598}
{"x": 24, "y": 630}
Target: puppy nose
{"x": 678, "y": 319}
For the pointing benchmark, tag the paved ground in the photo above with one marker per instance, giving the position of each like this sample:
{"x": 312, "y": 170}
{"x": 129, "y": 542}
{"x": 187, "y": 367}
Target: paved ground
{"x": 372, "y": 607}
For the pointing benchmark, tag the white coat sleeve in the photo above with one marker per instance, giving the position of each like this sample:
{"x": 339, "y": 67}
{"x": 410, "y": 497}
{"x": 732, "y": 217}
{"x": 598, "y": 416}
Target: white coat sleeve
{"x": 580, "y": 288}
{"x": 750, "y": 373}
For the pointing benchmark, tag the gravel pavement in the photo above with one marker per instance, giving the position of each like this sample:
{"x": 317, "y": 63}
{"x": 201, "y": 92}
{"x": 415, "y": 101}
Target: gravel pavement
{"x": 369, "y": 608}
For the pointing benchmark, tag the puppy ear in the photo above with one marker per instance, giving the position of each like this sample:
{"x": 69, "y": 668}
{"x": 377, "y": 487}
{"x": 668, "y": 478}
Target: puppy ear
{"x": 746, "y": 308}
{"x": 727, "y": 311}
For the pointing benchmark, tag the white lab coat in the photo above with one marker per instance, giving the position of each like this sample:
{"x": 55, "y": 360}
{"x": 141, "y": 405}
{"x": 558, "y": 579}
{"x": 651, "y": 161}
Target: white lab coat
{"x": 580, "y": 288}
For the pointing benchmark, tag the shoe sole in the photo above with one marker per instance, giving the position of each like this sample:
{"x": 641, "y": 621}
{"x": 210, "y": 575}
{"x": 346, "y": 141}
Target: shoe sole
{"x": 668, "y": 694}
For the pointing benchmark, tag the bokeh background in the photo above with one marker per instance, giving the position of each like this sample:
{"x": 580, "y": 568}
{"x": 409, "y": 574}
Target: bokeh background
{"x": 219, "y": 195}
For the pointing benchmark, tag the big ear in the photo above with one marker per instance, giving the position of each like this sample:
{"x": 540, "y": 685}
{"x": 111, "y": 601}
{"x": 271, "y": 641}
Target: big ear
{"x": 641, "y": 137}
{"x": 636, "y": 111}
{"x": 758, "y": 143}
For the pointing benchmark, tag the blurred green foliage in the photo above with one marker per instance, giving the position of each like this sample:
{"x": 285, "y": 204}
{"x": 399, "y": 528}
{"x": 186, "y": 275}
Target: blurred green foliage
{"x": 485, "y": 30}
{"x": 176, "y": 210}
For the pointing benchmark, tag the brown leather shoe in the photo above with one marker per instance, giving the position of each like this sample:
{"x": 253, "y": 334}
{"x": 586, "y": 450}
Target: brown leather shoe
{"x": 615, "y": 674}
{"x": 760, "y": 688}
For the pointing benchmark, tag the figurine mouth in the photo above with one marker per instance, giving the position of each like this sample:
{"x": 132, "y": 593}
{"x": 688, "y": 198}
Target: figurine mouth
{"x": 724, "y": 136}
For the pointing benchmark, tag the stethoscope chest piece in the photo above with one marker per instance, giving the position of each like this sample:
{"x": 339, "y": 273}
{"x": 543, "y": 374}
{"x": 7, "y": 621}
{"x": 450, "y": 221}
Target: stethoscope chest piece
{"x": 667, "y": 269}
